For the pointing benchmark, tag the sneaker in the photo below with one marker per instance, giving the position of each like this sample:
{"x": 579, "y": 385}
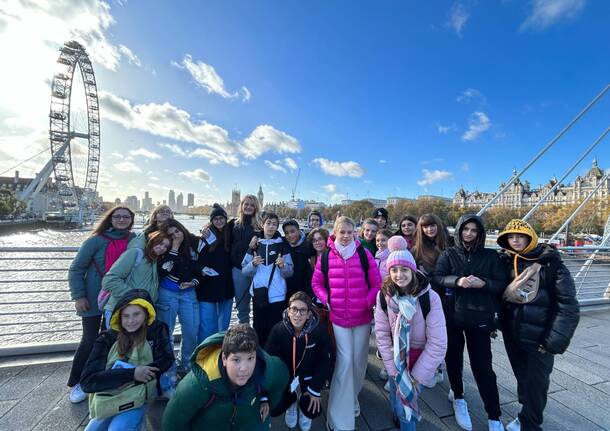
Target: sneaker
{"x": 77, "y": 395}
{"x": 357, "y": 409}
{"x": 460, "y": 408}
{"x": 386, "y": 387}
{"x": 439, "y": 377}
{"x": 304, "y": 422}
{"x": 383, "y": 374}
{"x": 291, "y": 416}
{"x": 514, "y": 425}
{"x": 495, "y": 425}
{"x": 450, "y": 396}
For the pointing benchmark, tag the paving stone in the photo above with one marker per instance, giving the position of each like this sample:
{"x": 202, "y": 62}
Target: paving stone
{"x": 6, "y": 405}
{"x": 64, "y": 416}
{"x": 6, "y": 374}
{"x": 584, "y": 407}
{"x": 20, "y": 385}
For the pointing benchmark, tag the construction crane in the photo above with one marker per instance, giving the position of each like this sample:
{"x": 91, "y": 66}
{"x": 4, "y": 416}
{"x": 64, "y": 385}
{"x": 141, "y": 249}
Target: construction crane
{"x": 296, "y": 182}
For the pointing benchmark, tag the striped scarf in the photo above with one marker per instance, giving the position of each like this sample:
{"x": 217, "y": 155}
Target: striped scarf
{"x": 407, "y": 306}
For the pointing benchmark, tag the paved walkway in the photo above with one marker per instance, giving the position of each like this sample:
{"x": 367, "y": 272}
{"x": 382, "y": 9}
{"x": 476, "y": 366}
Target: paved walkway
{"x": 33, "y": 395}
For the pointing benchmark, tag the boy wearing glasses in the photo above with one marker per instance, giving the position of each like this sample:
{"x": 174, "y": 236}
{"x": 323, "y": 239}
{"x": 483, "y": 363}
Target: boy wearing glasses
{"x": 304, "y": 346}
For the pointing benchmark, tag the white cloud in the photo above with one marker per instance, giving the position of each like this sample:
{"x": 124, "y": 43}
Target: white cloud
{"x": 127, "y": 167}
{"x": 383, "y": 161}
{"x": 471, "y": 95}
{"x": 197, "y": 174}
{"x": 330, "y": 188}
{"x": 545, "y": 13}
{"x": 143, "y": 152}
{"x": 431, "y": 177}
{"x": 206, "y": 77}
{"x": 266, "y": 138}
{"x": 443, "y": 130}
{"x": 337, "y": 197}
{"x": 458, "y": 16}
{"x": 340, "y": 169}
{"x": 174, "y": 149}
{"x": 131, "y": 57}
{"x": 478, "y": 123}
{"x": 275, "y": 166}
{"x": 291, "y": 164}
{"x": 215, "y": 158}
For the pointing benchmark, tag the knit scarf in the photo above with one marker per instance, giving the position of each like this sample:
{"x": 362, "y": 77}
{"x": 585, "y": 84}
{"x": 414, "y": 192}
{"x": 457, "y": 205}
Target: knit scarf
{"x": 407, "y": 306}
{"x": 346, "y": 251}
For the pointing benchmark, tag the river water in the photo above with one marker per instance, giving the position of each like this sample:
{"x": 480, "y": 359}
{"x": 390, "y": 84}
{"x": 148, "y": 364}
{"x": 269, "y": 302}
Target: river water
{"x": 35, "y": 305}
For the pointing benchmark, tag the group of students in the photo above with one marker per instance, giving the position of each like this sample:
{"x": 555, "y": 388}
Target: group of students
{"x": 315, "y": 298}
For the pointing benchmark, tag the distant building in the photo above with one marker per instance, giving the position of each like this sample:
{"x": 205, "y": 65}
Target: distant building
{"x": 313, "y": 205}
{"x": 172, "y": 200}
{"x": 180, "y": 202}
{"x": 233, "y": 206}
{"x": 132, "y": 203}
{"x": 395, "y": 200}
{"x": 41, "y": 202}
{"x": 434, "y": 198}
{"x": 521, "y": 194}
{"x": 190, "y": 199}
{"x": 260, "y": 196}
{"x": 298, "y": 204}
{"x": 118, "y": 202}
{"x": 147, "y": 203}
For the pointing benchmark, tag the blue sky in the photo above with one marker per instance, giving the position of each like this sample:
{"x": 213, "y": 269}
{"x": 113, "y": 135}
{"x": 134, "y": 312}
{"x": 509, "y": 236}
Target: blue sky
{"x": 366, "y": 98}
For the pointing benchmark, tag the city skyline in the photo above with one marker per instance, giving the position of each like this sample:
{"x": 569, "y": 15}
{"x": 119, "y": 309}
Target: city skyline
{"x": 421, "y": 99}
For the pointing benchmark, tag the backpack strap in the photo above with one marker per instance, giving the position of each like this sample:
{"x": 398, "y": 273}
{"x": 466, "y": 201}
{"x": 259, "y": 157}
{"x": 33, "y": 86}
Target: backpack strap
{"x": 364, "y": 263}
{"x": 324, "y": 268}
{"x": 383, "y": 302}
{"x": 424, "y": 303}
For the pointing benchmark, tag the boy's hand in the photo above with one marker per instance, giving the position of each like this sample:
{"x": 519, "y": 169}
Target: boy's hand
{"x": 280, "y": 262}
{"x": 264, "y": 410}
{"x": 253, "y": 243}
{"x": 314, "y": 403}
{"x": 81, "y": 305}
{"x": 257, "y": 260}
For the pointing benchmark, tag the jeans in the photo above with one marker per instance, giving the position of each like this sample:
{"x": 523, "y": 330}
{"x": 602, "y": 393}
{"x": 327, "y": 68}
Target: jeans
{"x": 213, "y": 317}
{"x": 398, "y": 409}
{"x": 130, "y": 420}
{"x": 91, "y": 329}
{"x": 241, "y": 283}
{"x": 184, "y": 305}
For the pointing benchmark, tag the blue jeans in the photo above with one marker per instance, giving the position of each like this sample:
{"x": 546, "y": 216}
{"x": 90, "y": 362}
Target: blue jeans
{"x": 399, "y": 411}
{"x": 214, "y": 317}
{"x": 184, "y": 305}
{"x": 130, "y": 420}
{"x": 241, "y": 283}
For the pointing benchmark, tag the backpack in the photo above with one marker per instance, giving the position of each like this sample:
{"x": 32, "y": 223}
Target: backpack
{"x": 104, "y": 295}
{"x": 424, "y": 303}
{"x": 364, "y": 263}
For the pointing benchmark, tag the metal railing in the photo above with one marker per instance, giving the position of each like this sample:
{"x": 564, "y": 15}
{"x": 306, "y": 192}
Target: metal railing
{"x": 37, "y": 314}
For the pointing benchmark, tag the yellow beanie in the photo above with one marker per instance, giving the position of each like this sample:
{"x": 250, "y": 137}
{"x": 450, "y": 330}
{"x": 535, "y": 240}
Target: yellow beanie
{"x": 521, "y": 227}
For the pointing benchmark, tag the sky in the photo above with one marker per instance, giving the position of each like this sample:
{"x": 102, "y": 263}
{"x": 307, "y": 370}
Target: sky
{"x": 357, "y": 99}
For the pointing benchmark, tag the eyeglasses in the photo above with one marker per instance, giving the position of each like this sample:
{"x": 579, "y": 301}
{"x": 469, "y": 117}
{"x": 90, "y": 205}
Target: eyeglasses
{"x": 121, "y": 217}
{"x": 318, "y": 239}
{"x": 298, "y": 311}
{"x": 165, "y": 212}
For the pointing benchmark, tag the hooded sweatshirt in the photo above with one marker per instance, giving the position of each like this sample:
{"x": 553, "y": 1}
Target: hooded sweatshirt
{"x": 551, "y": 318}
{"x": 205, "y": 399}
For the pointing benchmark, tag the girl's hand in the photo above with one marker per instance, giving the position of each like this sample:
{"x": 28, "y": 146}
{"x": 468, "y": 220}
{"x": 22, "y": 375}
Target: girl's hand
{"x": 464, "y": 282}
{"x": 205, "y": 233}
{"x": 264, "y": 410}
{"x": 280, "y": 262}
{"x": 144, "y": 373}
{"x": 257, "y": 260}
{"x": 186, "y": 285}
{"x": 81, "y": 305}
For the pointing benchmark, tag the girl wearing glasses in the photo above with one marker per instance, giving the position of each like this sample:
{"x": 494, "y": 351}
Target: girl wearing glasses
{"x": 304, "y": 346}
{"x": 158, "y": 215}
{"x": 94, "y": 258}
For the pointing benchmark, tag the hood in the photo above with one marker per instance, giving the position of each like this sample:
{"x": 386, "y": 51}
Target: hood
{"x": 309, "y": 326}
{"x": 133, "y": 297}
{"x": 319, "y": 214}
{"x": 299, "y": 242}
{"x": 382, "y": 254}
{"x": 467, "y": 218}
{"x": 206, "y": 363}
{"x": 520, "y": 227}
{"x": 274, "y": 238}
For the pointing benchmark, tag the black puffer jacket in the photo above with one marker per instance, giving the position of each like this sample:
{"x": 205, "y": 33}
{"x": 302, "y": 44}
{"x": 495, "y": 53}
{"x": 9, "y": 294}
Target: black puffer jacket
{"x": 313, "y": 352}
{"x": 241, "y": 234}
{"x": 551, "y": 318}
{"x": 457, "y": 262}
{"x": 218, "y": 288}
{"x": 301, "y": 277}
{"x": 96, "y": 378}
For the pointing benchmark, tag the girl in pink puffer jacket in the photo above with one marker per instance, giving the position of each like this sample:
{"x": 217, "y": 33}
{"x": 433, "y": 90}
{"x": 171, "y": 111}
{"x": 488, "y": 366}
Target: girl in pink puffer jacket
{"x": 351, "y": 305}
{"x": 412, "y": 347}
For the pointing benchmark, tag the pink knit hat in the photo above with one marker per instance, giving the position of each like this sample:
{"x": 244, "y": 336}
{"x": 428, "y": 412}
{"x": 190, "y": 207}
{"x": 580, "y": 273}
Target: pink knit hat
{"x": 399, "y": 254}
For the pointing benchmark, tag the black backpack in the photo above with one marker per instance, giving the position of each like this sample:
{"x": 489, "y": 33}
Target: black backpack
{"x": 364, "y": 262}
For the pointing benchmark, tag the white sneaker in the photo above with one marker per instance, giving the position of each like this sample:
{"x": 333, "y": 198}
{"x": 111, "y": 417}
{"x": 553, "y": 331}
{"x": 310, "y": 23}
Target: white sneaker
{"x": 77, "y": 395}
{"x": 450, "y": 396}
{"x": 495, "y": 425}
{"x": 304, "y": 421}
{"x": 357, "y": 409}
{"x": 460, "y": 408}
{"x": 439, "y": 377}
{"x": 514, "y": 425}
{"x": 291, "y": 416}
{"x": 386, "y": 387}
{"x": 383, "y": 374}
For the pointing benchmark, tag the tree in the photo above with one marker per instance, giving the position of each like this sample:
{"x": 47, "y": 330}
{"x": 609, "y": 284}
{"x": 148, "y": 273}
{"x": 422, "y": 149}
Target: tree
{"x": 10, "y": 204}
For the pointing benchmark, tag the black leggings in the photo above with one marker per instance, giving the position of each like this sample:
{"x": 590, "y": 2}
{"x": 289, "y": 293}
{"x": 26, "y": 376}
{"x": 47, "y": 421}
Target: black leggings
{"x": 288, "y": 399}
{"x": 91, "y": 329}
{"x": 478, "y": 343}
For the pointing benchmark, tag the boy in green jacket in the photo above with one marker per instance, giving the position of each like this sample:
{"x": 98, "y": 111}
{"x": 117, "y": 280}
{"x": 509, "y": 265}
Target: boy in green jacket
{"x": 232, "y": 385}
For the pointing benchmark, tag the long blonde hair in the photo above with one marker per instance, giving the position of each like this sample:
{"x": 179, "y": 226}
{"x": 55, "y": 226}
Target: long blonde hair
{"x": 343, "y": 220}
{"x": 255, "y": 217}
